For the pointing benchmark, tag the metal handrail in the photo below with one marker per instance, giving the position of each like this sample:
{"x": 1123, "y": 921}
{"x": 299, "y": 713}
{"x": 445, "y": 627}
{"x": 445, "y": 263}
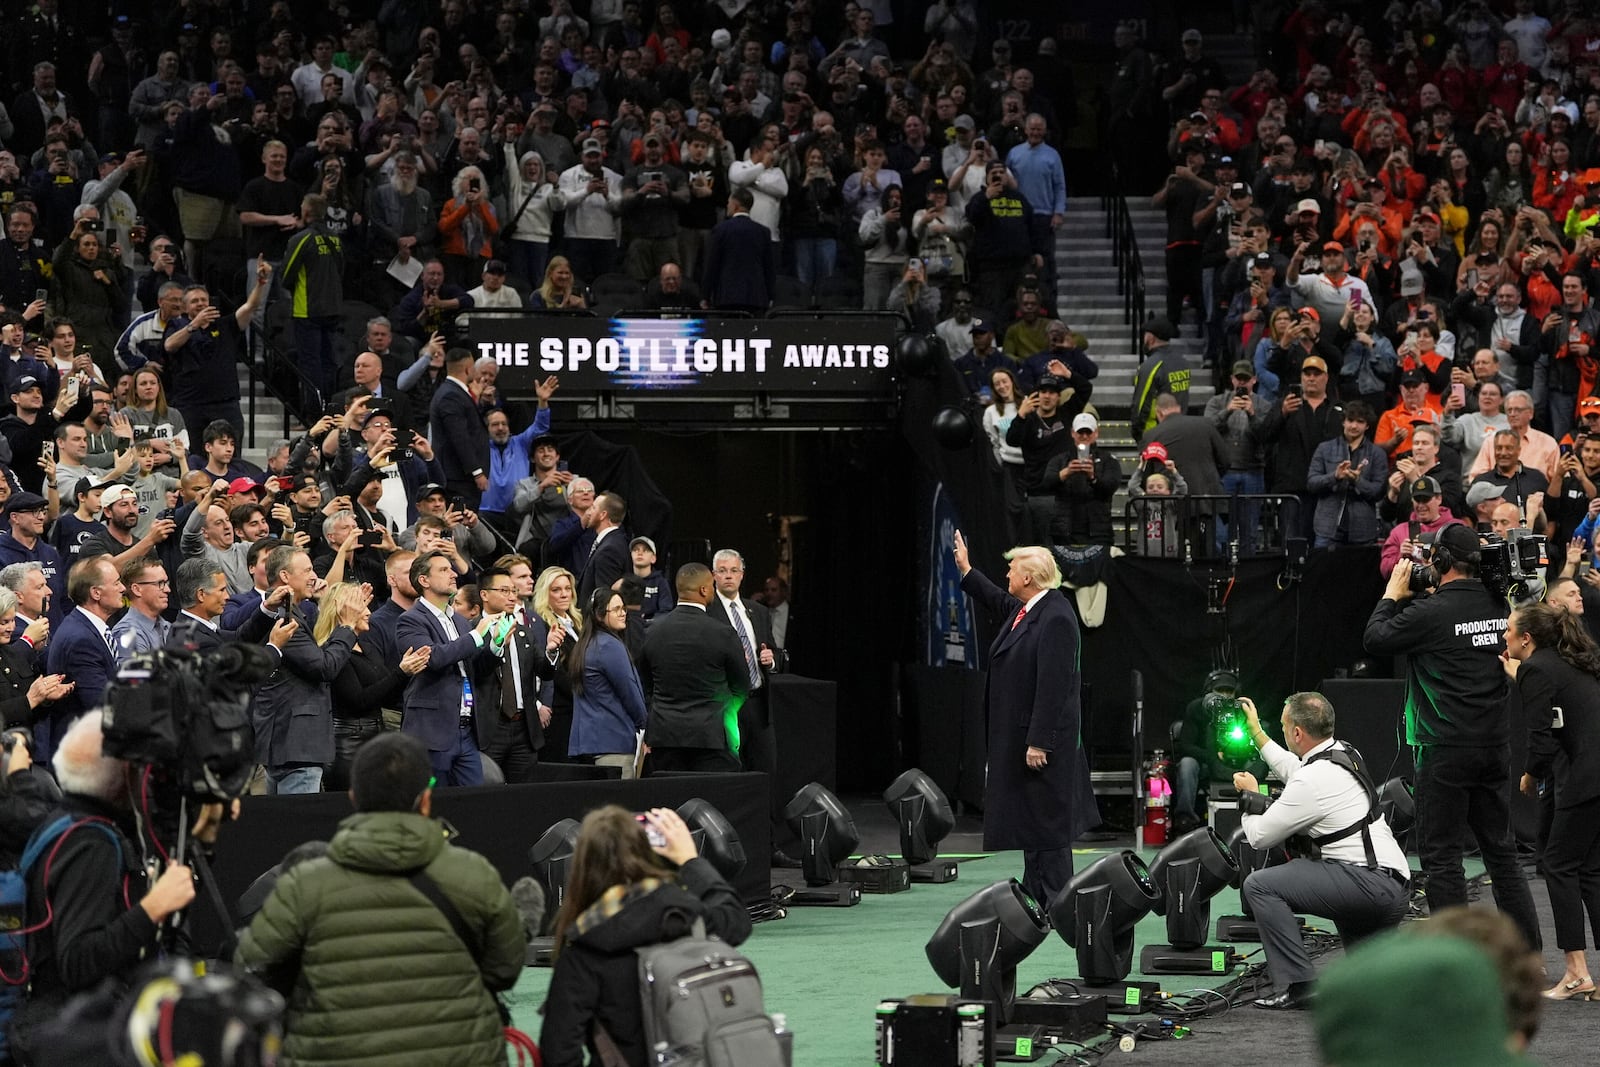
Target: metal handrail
{"x": 1125, "y": 256}
{"x": 1197, "y": 528}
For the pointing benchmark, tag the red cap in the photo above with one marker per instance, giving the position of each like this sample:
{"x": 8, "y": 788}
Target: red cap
{"x": 243, "y": 485}
{"x": 1312, "y": 312}
{"x": 1331, "y": 246}
{"x": 1154, "y": 450}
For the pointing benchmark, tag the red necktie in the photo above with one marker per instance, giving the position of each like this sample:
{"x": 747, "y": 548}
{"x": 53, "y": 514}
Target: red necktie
{"x": 1018, "y": 620}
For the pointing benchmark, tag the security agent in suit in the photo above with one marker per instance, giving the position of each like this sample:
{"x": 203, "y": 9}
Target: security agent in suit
{"x": 695, "y": 678}
{"x": 458, "y": 434}
{"x": 510, "y": 728}
{"x": 442, "y": 700}
{"x": 609, "y": 558}
{"x": 293, "y": 709}
{"x": 80, "y": 648}
{"x": 1038, "y": 797}
{"x": 752, "y": 625}
{"x": 1358, "y": 876}
{"x": 741, "y": 264}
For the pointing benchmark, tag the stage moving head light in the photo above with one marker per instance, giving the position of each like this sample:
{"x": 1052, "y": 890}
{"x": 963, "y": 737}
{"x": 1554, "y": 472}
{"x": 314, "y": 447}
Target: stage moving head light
{"x": 980, "y": 942}
{"x": 953, "y": 428}
{"x": 924, "y": 815}
{"x": 714, "y": 836}
{"x": 1188, "y": 873}
{"x": 918, "y": 353}
{"x": 1097, "y": 910}
{"x": 551, "y": 858}
{"x": 827, "y": 832}
{"x": 1397, "y": 805}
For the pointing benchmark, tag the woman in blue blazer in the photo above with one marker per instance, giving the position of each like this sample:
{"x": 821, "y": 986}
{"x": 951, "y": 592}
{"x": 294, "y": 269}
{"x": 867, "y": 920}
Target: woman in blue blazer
{"x": 607, "y": 700}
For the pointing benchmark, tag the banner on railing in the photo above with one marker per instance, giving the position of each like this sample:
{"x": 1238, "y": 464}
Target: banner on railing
{"x": 700, "y": 355}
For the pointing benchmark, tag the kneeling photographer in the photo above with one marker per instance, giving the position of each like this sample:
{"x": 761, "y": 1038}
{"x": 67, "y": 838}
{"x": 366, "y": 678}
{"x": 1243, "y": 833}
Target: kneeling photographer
{"x": 1456, "y": 720}
{"x": 1348, "y": 867}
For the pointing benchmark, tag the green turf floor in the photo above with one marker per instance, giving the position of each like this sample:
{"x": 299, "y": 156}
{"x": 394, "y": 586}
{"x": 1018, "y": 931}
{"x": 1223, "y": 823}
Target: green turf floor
{"x": 827, "y": 968}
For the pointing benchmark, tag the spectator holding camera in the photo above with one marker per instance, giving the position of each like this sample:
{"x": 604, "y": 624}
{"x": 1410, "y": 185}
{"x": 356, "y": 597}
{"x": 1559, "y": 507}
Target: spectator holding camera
{"x": 1085, "y": 480}
{"x": 1463, "y": 432}
{"x": 1414, "y": 409}
{"x": 466, "y": 531}
{"x": 1042, "y": 431}
{"x": 1332, "y": 290}
{"x": 209, "y": 533}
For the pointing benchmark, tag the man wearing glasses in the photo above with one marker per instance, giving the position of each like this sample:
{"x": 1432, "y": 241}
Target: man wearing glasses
{"x": 1539, "y": 450}
{"x": 511, "y": 721}
{"x": 142, "y": 629}
{"x": 164, "y": 268}
{"x": 80, "y": 648}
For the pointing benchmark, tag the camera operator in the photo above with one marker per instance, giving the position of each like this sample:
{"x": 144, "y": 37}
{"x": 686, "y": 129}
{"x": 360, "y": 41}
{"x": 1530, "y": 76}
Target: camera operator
{"x": 1196, "y": 750}
{"x": 1355, "y": 874}
{"x": 1456, "y": 720}
{"x": 97, "y": 913}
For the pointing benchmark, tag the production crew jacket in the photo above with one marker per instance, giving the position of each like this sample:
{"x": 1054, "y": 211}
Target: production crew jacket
{"x": 1455, "y": 684}
{"x": 1319, "y": 799}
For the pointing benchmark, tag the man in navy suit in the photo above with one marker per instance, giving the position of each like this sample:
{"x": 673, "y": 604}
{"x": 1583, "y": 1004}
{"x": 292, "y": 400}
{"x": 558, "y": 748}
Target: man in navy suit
{"x": 741, "y": 266}
{"x": 1038, "y": 797}
{"x": 458, "y": 434}
{"x": 608, "y": 557}
{"x": 441, "y": 706}
{"x": 241, "y": 606}
{"x": 80, "y": 648}
{"x": 200, "y": 591}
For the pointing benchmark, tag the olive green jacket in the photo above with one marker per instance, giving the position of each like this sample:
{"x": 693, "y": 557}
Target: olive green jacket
{"x": 372, "y": 970}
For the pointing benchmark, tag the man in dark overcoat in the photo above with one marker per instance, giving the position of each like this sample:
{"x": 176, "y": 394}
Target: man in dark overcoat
{"x": 1038, "y": 797}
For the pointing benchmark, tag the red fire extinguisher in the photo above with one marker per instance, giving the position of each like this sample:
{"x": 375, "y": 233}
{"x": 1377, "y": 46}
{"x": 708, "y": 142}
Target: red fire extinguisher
{"x": 1157, "y": 802}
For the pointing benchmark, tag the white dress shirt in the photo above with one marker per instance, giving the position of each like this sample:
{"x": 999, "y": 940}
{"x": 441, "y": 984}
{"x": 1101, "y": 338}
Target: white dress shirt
{"x": 1322, "y": 798}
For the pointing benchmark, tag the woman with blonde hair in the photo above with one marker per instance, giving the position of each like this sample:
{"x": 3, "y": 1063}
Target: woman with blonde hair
{"x": 560, "y": 288}
{"x": 554, "y": 627}
{"x": 625, "y": 892}
{"x": 1280, "y": 333}
{"x": 365, "y": 685}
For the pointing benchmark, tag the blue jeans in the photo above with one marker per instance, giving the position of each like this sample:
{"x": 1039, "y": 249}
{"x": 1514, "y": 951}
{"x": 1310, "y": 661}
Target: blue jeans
{"x": 814, "y": 259}
{"x": 459, "y": 764}
{"x": 284, "y": 781}
{"x": 1249, "y": 511}
{"x": 1185, "y": 786}
{"x": 591, "y": 257}
{"x": 528, "y": 258}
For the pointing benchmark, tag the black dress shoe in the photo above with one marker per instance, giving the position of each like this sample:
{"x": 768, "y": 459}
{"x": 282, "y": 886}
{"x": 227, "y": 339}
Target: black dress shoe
{"x": 780, "y": 858}
{"x": 1296, "y": 998}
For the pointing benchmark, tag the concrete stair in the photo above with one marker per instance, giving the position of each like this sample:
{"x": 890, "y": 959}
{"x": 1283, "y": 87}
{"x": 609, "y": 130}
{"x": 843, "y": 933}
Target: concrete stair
{"x": 1090, "y": 304}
